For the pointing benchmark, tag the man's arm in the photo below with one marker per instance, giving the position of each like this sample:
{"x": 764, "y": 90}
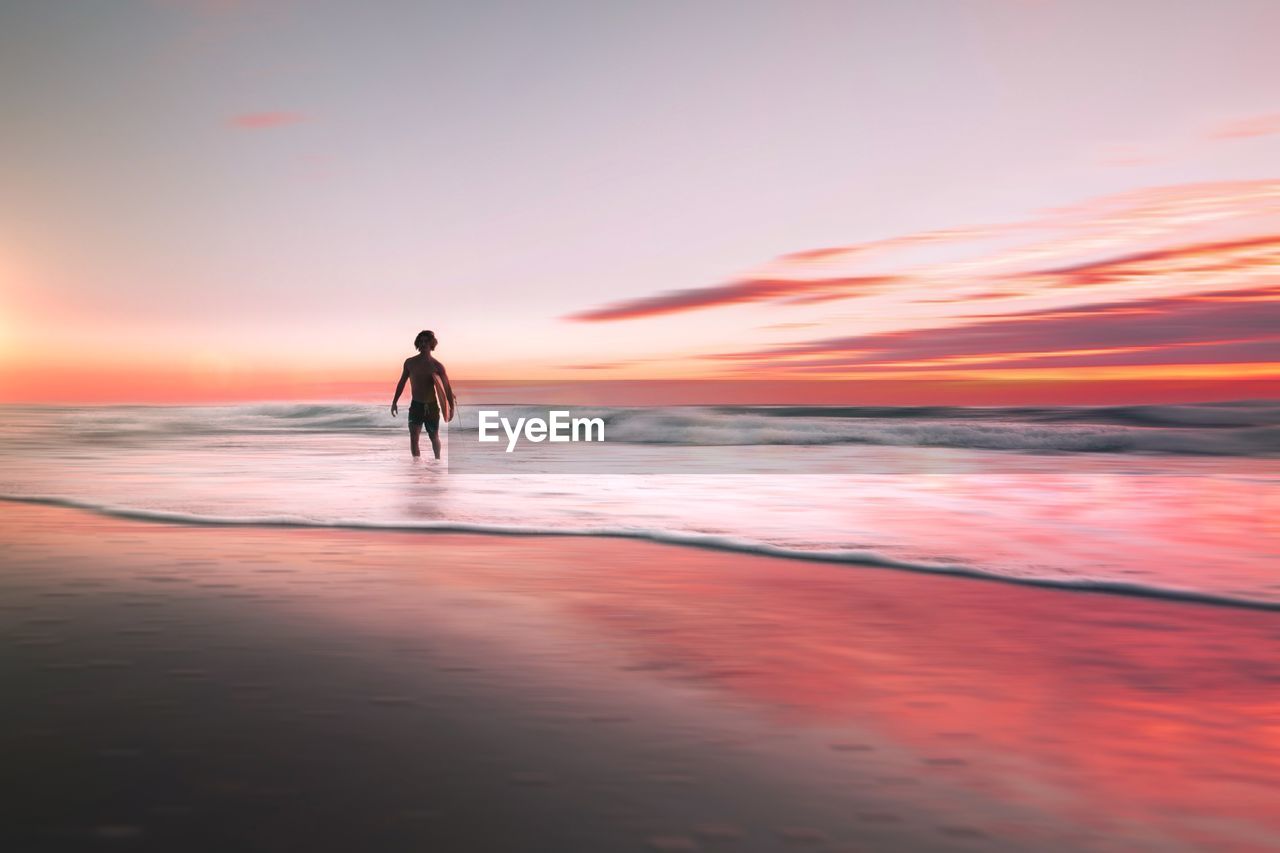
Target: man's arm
{"x": 404, "y": 377}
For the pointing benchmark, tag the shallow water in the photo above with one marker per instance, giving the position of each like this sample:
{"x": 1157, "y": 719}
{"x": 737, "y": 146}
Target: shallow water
{"x": 811, "y": 485}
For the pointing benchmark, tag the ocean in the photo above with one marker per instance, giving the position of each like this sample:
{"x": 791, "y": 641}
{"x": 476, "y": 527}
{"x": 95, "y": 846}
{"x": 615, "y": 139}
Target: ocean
{"x": 1171, "y": 500}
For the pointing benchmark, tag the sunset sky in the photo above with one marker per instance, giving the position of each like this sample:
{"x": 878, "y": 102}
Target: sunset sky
{"x": 973, "y": 202}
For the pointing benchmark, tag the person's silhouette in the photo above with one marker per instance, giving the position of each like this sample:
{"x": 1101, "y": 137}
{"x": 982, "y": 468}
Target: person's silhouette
{"x": 431, "y": 390}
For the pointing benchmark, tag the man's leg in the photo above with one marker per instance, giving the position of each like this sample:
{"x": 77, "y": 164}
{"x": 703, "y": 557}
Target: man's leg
{"x": 414, "y": 429}
{"x": 434, "y": 435}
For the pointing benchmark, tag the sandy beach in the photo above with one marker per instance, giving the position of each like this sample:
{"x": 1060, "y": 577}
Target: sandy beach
{"x": 180, "y": 687}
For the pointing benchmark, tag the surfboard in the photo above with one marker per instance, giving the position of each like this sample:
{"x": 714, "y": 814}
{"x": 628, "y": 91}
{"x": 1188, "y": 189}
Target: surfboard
{"x": 442, "y": 397}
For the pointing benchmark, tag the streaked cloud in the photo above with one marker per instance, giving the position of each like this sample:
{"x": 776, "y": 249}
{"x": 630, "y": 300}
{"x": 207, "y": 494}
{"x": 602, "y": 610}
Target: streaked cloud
{"x": 785, "y": 291}
{"x": 1210, "y": 328}
{"x": 1145, "y": 225}
{"x": 1222, "y": 257}
{"x": 1163, "y": 279}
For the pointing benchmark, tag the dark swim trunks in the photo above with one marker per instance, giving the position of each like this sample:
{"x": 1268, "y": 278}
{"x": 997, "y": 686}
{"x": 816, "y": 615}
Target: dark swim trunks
{"x": 425, "y": 414}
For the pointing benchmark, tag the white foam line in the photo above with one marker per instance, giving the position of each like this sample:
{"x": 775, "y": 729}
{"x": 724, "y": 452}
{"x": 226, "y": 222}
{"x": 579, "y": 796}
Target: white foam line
{"x": 690, "y": 540}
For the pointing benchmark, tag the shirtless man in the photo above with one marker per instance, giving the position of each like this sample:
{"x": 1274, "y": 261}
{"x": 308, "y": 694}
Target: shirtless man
{"x": 422, "y": 370}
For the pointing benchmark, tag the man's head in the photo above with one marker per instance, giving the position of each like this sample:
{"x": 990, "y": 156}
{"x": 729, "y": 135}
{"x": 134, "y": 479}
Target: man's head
{"x": 425, "y": 341}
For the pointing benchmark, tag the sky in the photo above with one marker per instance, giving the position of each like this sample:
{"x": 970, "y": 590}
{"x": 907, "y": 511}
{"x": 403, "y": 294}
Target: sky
{"x": 961, "y": 202}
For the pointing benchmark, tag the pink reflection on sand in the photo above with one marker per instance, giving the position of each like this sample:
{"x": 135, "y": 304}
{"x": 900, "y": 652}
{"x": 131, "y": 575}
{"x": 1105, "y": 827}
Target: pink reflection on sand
{"x": 1102, "y": 710}
{"x": 1121, "y": 718}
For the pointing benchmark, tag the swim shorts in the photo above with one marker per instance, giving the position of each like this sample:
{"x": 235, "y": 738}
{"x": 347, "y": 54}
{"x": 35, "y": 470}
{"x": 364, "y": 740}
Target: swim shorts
{"x": 425, "y": 414}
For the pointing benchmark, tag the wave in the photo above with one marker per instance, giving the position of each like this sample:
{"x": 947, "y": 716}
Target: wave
{"x": 1242, "y": 413}
{"x": 690, "y": 540}
{"x": 124, "y": 424}
{"x": 1247, "y": 428}
{"x": 1240, "y": 430}
{"x": 987, "y": 433}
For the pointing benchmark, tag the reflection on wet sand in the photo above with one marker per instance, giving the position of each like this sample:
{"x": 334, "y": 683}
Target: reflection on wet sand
{"x": 427, "y": 688}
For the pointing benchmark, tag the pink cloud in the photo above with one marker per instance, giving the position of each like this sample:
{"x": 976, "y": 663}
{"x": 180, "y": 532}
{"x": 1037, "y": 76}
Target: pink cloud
{"x": 790, "y": 291}
{"x": 1063, "y": 250}
{"x": 1230, "y": 256}
{"x": 1263, "y": 125}
{"x": 260, "y": 121}
{"x": 1235, "y": 321}
{"x": 805, "y": 260}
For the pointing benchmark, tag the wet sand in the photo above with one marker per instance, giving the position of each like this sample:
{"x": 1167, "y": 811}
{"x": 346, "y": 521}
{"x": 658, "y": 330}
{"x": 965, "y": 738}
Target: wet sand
{"x": 172, "y": 687}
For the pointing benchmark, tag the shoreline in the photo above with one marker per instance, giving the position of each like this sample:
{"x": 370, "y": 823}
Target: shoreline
{"x": 206, "y": 687}
{"x": 711, "y": 542}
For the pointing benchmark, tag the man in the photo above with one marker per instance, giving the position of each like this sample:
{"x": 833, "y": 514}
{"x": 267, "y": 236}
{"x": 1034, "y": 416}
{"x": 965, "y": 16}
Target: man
{"x": 431, "y": 389}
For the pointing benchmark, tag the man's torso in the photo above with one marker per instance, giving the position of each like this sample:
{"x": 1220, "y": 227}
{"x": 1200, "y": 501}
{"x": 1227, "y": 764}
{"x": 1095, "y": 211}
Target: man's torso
{"x": 422, "y": 378}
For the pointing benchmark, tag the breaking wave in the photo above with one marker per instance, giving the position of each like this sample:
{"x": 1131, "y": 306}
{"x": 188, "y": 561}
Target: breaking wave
{"x": 1220, "y": 429}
